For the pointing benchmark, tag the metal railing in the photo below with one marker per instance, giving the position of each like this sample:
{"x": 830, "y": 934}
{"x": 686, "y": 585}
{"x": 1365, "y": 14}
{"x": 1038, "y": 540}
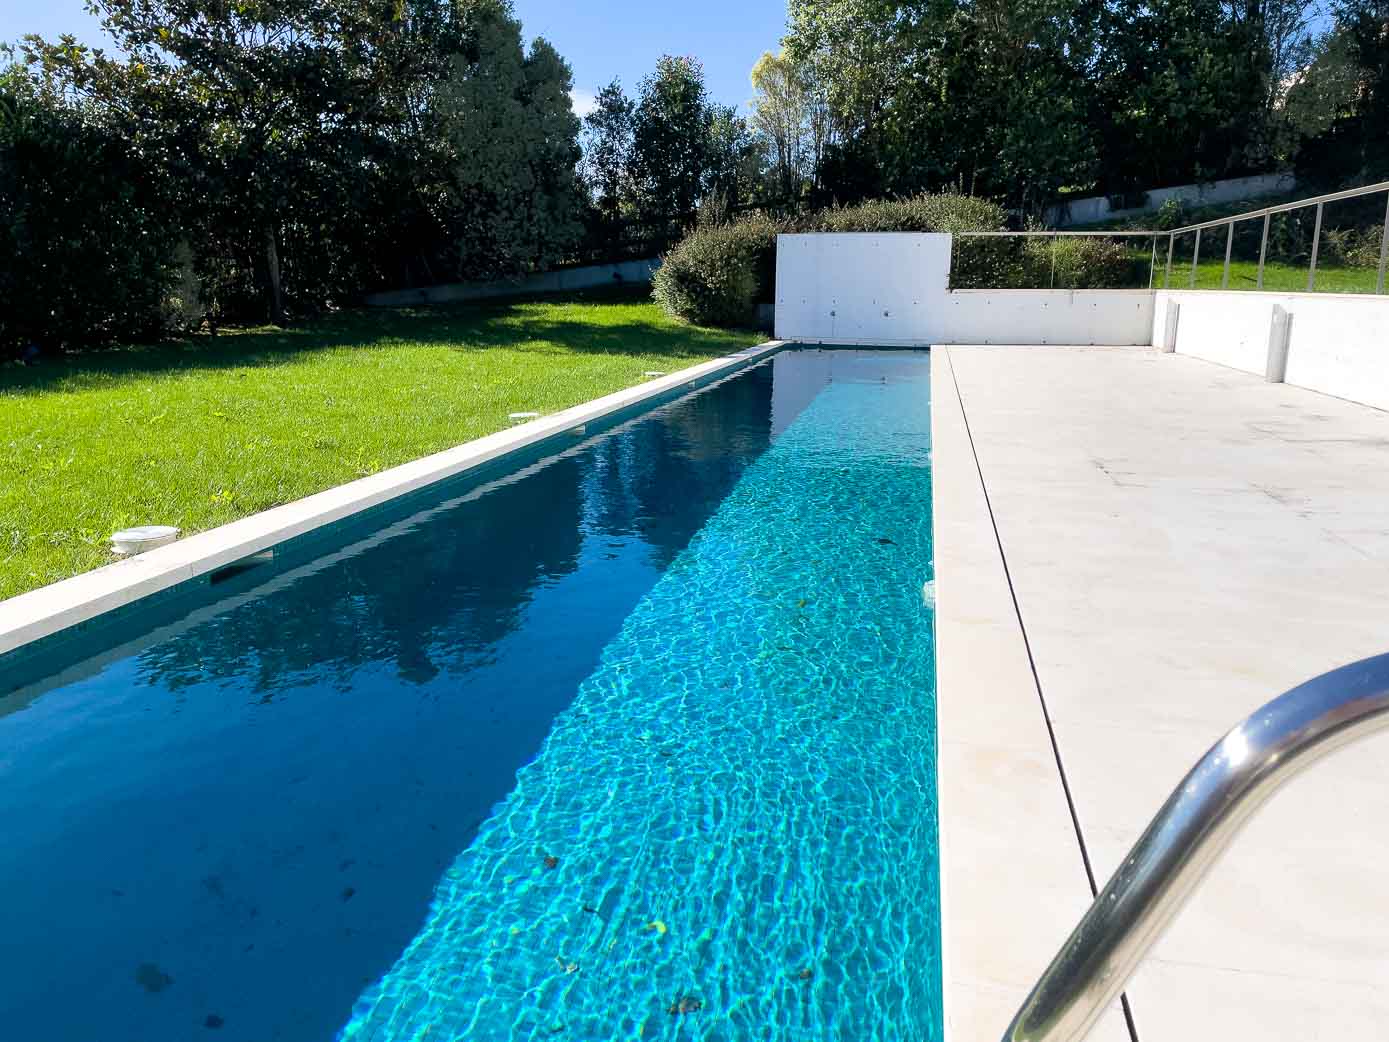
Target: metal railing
{"x": 1317, "y": 204}
{"x": 1267, "y": 214}
{"x": 1195, "y": 825}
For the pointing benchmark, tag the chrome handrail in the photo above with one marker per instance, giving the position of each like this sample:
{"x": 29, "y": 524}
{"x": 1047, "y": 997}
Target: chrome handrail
{"x": 1195, "y": 825}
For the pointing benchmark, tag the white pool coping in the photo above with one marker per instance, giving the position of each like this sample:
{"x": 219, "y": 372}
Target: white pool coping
{"x": 1013, "y": 880}
{"x": 50, "y": 609}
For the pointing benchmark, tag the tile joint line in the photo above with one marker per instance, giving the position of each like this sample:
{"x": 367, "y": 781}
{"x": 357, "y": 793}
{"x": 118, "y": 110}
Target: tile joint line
{"x": 1036, "y": 680}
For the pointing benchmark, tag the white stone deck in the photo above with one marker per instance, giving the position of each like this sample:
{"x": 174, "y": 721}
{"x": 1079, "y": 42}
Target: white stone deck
{"x": 1184, "y": 542}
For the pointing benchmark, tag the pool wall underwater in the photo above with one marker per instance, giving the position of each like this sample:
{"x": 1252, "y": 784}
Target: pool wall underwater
{"x": 64, "y": 605}
{"x": 631, "y": 736}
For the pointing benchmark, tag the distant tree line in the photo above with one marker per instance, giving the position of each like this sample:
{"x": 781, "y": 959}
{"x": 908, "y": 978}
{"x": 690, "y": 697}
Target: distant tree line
{"x": 257, "y": 161}
{"x": 1019, "y": 102}
{"x": 651, "y": 161}
{"x": 254, "y": 161}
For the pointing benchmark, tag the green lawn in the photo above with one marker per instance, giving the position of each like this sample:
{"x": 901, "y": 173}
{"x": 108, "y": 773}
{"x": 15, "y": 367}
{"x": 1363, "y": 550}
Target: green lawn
{"x": 202, "y": 432}
{"x": 1277, "y": 277}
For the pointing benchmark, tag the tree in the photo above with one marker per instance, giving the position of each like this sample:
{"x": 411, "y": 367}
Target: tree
{"x": 1021, "y": 100}
{"x": 608, "y": 150}
{"x": 326, "y": 145}
{"x": 1325, "y": 89}
{"x": 256, "y": 99}
{"x": 89, "y": 248}
{"x": 1354, "y": 148}
{"x": 670, "y": 138}
{"x": 733, "y": 163}
{"x": 514, "y": 139}
{"x": 780, "y": 114}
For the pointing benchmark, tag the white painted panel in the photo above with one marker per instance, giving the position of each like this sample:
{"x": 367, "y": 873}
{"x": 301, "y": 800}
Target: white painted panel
{"x": 861, "y": 288}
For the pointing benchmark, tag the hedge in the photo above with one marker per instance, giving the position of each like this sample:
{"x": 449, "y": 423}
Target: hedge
{"x": 718, "y": 274}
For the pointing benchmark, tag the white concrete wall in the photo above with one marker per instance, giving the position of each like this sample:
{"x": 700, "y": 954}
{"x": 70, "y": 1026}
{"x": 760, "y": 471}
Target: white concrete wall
{"x": 1232, "y": 190}
{"x": 625, "y": 273}
{"x": 861, "y": 287}
{"x": 1108, "y": 317}
{"x": 1338, "y": 344}
{"x": 892, "y": 289}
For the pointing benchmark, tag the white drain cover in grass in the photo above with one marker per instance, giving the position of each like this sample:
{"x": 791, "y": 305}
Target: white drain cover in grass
{"x": 146, "y": 537}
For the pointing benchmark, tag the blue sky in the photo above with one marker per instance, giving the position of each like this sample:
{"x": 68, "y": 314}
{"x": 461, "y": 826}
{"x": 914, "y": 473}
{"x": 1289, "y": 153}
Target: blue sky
{"x": 601, "y": 40}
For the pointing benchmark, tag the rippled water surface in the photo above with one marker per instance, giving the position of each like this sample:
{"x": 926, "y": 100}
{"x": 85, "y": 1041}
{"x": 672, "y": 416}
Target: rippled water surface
{"x": 638, "y": 743}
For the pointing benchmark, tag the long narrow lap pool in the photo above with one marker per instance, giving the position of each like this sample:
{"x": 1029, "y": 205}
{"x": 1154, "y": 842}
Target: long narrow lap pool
{"x": 634, "y": 741}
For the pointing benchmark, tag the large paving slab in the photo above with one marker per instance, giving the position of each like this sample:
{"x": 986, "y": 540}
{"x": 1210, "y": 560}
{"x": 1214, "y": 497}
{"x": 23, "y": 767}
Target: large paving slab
{"x": 1186, "y": 542}
{"x": 1012, "y": 875}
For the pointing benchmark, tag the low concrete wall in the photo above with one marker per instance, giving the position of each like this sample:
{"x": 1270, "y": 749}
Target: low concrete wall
{"x": 1337, "y": 344}
{"x": 1096, "y": 208}
{"x": 892, "y": 289}
{"x": 1104, "y": 317}
{"x": 625, "y": 273}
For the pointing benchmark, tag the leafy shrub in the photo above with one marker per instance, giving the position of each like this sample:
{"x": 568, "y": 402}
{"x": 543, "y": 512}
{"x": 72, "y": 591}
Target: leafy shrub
{"x": 1076, "y": 262}
{"x": 717, "y": 275}
{"x": 921, "y": 213}
{"x": 1352, "y": 247}
{"x": 87, "y": 241}
{"x": 1085, "y": 263}
{"x": 1171, "y": 214}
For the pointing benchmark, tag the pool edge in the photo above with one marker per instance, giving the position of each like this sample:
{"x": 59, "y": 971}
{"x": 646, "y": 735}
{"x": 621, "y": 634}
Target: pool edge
{"x": 48, "y": 610}
{"x": 1012, "y": 879}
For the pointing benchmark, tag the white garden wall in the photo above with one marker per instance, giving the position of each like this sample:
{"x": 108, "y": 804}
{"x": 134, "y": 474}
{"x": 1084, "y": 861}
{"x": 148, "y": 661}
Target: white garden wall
{"x": 1337, "y": 344}
{"x": 892, "y": 289}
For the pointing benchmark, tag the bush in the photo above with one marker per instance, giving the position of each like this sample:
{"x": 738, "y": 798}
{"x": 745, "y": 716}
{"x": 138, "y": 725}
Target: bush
{"x": 1085, "y": 263}
{"x": 1043, "y": 263}
{"x": 88, "y": 249}
{"x": 921, "y": 213}
{"x": 718, "y": 274}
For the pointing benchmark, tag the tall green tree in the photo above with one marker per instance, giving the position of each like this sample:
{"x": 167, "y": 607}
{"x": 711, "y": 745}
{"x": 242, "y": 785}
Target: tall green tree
{"x": 781, "y": 109}
{"x": 670, "y": 138}
{"x": 258, "y": 99}
{"x": 733, "y": 161}
{"x": 608, "y": 150}
{"x": 975, "y": 95}
{"x": 513, "y": 135}
{"x": 324, "y": 145}
{"x": 89, "y": 246}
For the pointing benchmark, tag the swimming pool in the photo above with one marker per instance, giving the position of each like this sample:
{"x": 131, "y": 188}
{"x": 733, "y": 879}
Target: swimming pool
{"x": 634, "y": 741}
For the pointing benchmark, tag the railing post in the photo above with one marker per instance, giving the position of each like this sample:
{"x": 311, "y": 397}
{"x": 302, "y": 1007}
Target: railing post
{"x": 1167, "y": 278}
{"x": 1263, "y": 250}
{"x": 1383, "y": 248}
{"x": 1152, "y": 263}
{"x": 1052, "y": 283}
{"x": 1195, "y": 256}
{"x": 1229, "y": 242}
{"x": 1316, "y": 242}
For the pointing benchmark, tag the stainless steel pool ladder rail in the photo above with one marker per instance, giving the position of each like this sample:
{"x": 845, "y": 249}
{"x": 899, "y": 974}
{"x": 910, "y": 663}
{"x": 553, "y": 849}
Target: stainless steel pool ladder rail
{"x": 1194, "y": 827}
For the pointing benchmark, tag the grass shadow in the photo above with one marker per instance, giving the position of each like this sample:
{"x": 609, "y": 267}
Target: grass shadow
{"x": 482, "y": 326}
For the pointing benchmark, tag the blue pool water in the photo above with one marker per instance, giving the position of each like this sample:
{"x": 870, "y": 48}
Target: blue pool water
{"x": 637, "y": 742}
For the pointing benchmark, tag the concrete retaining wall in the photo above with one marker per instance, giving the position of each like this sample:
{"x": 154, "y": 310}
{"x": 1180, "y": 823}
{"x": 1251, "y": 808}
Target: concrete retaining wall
{"x": 628, "y": 273}
{"x": 893, "y": 289}
{"x": 1338, "y": 344}
{"x": 1096, "y": 208}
